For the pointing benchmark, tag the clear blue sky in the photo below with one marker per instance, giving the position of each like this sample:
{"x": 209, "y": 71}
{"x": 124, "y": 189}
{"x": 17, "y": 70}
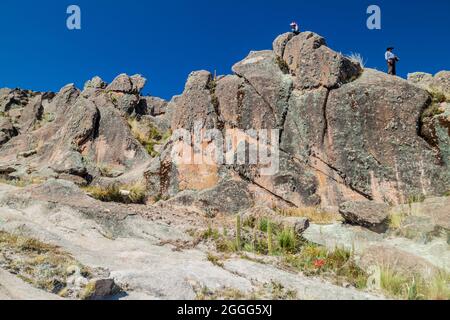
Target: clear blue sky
{"x": 166, "y": 40}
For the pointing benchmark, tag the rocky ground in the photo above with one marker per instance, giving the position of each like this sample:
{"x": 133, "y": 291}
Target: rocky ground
{"x": 93, "y": 207}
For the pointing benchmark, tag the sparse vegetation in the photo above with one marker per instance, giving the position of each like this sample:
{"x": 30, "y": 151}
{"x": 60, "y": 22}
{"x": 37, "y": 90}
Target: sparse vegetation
{"x": 269, "y": 238}
{"x": 314, "y": 214}
{"x": 127, "y": 194}
{"x": 42, "y": 265}
{"x": 268, "y": 291}
{"x": 415, "y": 287}
{"x": 266, "y": 238}
{"x": 396, "y": 220}
{"x": 416, "y": 198}
{"x": 215, "y": 260}
{"x": 357, "y": 58}
{"x": 21, "y": 183}
{"x": 238, "y": 232}
{"x": 287, "y": 240}
{"x": 337, "y": 265}
{"x": 149, "y": 137}
{"x": 434, "y": 109}
{"x": 46, "y": 118}
{"x": 105, "y": 170}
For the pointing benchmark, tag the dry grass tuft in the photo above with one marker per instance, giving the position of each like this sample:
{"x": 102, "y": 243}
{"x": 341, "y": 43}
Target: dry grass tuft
{"x": 414, "y": 286}
{"x": 314, "y": 214}
{"x": 149, "y": 137}
{"x": 357, "y": 58}
{"x": 128, "y": 194}
{"x": 42, "y": 265}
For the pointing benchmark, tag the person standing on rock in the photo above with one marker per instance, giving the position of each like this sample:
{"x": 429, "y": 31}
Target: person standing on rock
{"x": 294, "y": 27}
{"x": 392, "y": 60}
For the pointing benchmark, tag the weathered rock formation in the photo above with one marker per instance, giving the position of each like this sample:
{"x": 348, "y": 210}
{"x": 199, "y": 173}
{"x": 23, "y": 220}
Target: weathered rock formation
{"x": 343, "y": 133}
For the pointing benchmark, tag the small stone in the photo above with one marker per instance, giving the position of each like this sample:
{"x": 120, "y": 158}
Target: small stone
{"x": 99, "y": 289}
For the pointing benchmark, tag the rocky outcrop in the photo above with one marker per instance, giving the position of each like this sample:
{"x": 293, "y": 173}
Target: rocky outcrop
{"x": 440, "y": 82}
{"x": 7, "y": 130}
{"x": 337, "y": 132}
{"x": 345, "y": 134}
{"x": 75, "y": 135}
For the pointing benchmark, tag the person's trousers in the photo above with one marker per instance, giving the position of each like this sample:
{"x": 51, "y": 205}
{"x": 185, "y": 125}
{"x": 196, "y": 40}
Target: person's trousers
{"x": 392, "y": 70}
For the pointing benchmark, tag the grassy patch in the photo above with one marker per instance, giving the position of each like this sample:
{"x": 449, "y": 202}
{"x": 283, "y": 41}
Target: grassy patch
{"x": 415, "y": 287}
{"x": 105, "y": 170}
{"x": 46, "y": 118}
{"x": 149, "y": 137}
{"x": 416, "y": 198}
{"x": 21, "y": 183}
{"x": 314, "y": 214}
{"x": 337, "y": 265}
{"x": 127, "y": 194}
{"x": 215, "y": 260}
{"x": 268, "y": 291}
{"x": 287, "y": 240}
{"x": 396, "y": 220}
{"x": 41, "y": 265}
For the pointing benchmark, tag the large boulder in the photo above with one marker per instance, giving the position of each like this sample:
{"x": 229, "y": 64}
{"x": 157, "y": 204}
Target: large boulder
{"x": 95, "y": 83}
{"x": 231, "y": 197}
{"x": 439, "y": 83}
{"x": 372, "y": 139}
{"x": 313, "y": 64}
{"x": 369, "y": 214}
{"x": 14, "y": 99}
{"x": 126, "y": 84}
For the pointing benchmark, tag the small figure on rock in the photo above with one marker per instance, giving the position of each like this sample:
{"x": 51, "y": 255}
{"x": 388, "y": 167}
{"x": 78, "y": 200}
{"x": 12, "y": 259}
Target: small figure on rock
{"x": 294, "y": 27}
{"x": 392, "y": 60}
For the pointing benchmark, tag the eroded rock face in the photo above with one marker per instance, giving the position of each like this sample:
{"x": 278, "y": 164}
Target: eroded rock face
{"x": 345, "y": 134}
{"x": 7, "y": 131}
{"x": 372, "y": 138}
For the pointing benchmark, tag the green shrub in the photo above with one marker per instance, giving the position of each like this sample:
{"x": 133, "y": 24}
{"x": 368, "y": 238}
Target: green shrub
{"x": 287, "y": 240}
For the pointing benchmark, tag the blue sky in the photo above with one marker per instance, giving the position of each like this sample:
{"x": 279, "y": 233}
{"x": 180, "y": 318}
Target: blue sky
{"x": 166, "y": 40}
